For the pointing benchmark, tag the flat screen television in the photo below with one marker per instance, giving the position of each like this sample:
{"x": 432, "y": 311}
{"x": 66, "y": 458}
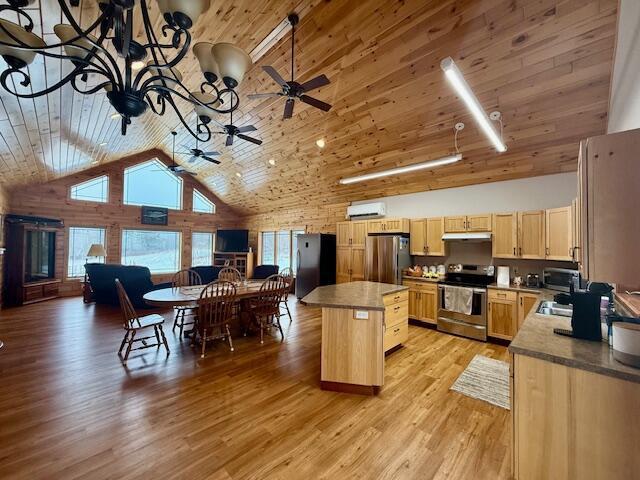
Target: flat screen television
{"x": 232, "y": 241}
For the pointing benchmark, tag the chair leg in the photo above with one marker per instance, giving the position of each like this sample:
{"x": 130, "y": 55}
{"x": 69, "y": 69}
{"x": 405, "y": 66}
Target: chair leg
{"x": 204, "y": 342}
{"x": 182, "y": 313}
{"x": 261, "y": 332}
{"x": 229, "y": 337}
{"x": 126, "y": 355}
{"x": 175, "y": 321}
{"x": 155, "y": 330}
{"x": 124, "y": 341}
{"x": 164, "y": 339}
{"x": 277, "y": 320}
{"x": 286, "y": 305}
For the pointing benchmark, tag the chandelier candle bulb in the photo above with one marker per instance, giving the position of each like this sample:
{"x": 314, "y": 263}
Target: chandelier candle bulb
{"x": 462, "y": 88}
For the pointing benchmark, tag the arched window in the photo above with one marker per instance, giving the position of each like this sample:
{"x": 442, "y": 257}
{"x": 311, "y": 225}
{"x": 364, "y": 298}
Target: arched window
{"x": 151, "y": 184}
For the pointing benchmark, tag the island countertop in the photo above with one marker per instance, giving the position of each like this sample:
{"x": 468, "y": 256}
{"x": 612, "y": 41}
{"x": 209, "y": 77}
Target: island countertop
{"x": 356, "y": 295}
{"x": 536, "y": 339}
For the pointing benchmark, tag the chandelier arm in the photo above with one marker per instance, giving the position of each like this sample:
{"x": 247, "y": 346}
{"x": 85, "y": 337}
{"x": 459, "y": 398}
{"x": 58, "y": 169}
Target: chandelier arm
{"x": 160, "y": 101}
{"x": 28, "y": 27}
{"x": 202, "y": 128}
{"x": 90, "y": 91}
{"x": 168, "y": 91}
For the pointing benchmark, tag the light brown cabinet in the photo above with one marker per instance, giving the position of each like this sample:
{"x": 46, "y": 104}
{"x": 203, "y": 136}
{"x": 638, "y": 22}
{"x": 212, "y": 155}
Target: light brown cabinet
{"x": 531, "y": 234}
{"x": 350, "y": 241}
{"x": 502, "y": 314}
{"x": 396, "y": 321}
{"x": 389, "y": 225}
{"x": 467, "y": 223}
{"x": 423, "y": 301}
{"x": 559, "y": 234}
{"x": 426, "y": 237}
{"x": 526, "y": 302}
{"x": 351, "y": 233}
{"x": 505, "y": 235}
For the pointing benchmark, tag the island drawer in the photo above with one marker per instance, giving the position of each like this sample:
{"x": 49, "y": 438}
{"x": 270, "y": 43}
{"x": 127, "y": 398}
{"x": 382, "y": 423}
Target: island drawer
{"x": 395, "y": 335}
{"x": 396, "y": 313}
{"x": 397, "y": 297}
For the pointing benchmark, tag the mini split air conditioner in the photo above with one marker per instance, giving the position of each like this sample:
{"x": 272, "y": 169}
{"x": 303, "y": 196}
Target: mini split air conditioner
{"x": 366, "y": 210}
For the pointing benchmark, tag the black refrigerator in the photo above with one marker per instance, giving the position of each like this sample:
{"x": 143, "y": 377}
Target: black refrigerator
{"x": 316, "y": 262}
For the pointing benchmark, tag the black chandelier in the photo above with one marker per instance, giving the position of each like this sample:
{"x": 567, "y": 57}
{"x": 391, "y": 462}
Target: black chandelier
{"x": 156, "y": 83}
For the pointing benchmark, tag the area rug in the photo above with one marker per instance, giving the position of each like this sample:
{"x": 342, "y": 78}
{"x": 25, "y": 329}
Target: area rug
{"x": 485, "y": 379}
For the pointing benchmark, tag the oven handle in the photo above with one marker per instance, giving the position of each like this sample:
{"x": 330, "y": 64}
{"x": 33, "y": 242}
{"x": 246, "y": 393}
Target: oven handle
{"x": 475, "y": 290}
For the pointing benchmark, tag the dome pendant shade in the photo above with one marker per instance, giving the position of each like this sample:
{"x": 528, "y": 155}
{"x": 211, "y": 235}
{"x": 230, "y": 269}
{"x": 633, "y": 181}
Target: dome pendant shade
{"x": 15, "y": 56}
{"x": 208, "y": 65}
{"x": 233, "y": 63}
{"x": 205, "y": 112}
{"x": 66, "y": 33}
{"x": 186, "y": 12}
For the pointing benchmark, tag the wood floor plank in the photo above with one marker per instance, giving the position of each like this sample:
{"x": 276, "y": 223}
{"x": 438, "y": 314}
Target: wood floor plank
{"x": 69, "y": 409}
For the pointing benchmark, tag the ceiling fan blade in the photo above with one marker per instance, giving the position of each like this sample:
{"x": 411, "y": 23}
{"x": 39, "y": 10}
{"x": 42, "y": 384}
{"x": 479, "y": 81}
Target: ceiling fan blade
{"x": 187, "y": 148}
{"x": 275, "y": 75}
{"x": 212, "y": 160}
{"x": 319, "y": 81}
{"x": 249, "y": 139}
{"x": 314, "y": 102}
{"x": 288, "y": 108}
{"x": 247, "y": 128}
{"x": 263, "y": 95}
{"x": 210, "y": 154}
{"x": 229, "y": 141}
{"x": 193, "y": 159}
{"x": 193, "y": 174}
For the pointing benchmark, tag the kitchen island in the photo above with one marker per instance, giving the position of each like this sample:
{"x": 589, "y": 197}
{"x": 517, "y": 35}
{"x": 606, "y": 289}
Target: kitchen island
{"x": 360, "y": 322}
{"x": 573, "y": 406}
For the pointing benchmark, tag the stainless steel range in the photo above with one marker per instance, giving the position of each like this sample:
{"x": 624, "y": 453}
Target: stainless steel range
{"x": 462, "y": 300}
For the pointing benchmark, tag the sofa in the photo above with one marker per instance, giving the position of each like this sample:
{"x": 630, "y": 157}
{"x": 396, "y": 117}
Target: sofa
{"x": 207, "y": 274}
{"x": 265, "y": 271}
{"x": 135, "y": 280}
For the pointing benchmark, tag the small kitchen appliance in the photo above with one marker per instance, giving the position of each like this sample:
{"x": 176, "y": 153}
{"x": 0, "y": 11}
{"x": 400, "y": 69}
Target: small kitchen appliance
{"x": 560, "y": 279}
{"x": 533, "y": 280}
{"x": 585, "y": 318}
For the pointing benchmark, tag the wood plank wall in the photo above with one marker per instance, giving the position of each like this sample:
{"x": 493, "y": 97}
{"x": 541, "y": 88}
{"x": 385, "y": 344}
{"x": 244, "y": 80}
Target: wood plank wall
{"x": 52, "y": 200}
{"x": 4, "y": 207}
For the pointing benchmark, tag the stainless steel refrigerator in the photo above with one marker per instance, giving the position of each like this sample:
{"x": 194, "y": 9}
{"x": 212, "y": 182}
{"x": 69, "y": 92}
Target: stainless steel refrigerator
{"x": 385, "y": 258}
{"x": 315, "y": 262}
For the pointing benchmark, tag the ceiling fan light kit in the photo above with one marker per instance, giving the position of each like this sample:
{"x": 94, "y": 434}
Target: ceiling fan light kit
{"x": 462, "y": 88}
{"x": 150, "y": 78}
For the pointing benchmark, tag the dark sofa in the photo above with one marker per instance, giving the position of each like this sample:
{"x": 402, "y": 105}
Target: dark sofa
{"x": 207, "y": 274}
{"x": 135, "y": 280}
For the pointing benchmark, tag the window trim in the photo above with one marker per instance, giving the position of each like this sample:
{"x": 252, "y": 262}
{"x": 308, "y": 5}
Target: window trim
{"x": 162, "y": 165}
{"x": 197, "y": 192}
{"x": 213, "y": 244}
{"x": 108, "y": 196}
{"x": 165, "y": 230}
{"x": 67, "y": 247}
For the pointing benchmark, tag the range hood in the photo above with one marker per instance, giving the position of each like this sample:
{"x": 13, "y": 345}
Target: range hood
{"x": 467, "y": 237}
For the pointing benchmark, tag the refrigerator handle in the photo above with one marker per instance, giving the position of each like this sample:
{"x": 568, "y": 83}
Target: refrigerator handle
{"x": 396, "y": 258}
{"x": 297, "y": 262}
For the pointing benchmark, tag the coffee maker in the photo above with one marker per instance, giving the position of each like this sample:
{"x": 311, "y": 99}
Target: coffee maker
{"x": 585, "y": 319}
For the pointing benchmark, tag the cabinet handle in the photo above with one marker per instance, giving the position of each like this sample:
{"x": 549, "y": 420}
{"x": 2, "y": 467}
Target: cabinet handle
{"x": 396, "y": 298}
{"x": 520, "y": 251}
{"x": 521, "y": 304}
{"x": 396, "y": 309}
{"x": 546, "y": 251}
{"x": 396, "y": 330}
{"x": 514, "y": 251}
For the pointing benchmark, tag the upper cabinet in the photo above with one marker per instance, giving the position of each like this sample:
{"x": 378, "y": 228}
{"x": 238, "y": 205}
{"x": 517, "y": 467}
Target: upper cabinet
{"x": 559, "y": 237}
{"x": 389, "y": 225}
{"x": 351, "y": 233}
{"x": 505, "y": 235}
{"x": 418, "y": 237}
{"x": 531, "y": 234}
{"x": 350, "y": 240}
{"x": 467, "y": 223}
{"x": 426, "y": 236}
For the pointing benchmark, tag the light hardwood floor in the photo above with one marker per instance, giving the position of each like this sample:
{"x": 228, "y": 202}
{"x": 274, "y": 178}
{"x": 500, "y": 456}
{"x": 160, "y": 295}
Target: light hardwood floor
{"x": 69, "y": 409}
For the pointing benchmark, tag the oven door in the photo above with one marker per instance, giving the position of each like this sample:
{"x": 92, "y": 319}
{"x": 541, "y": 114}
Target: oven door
{"x": 478, "y": 308}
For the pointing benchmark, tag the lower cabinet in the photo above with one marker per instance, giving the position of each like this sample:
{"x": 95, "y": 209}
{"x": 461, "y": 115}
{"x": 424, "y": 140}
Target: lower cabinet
{"x": 423, "y": 301}
{"x": 507, "y": 310}
{"x": 349, "y": 264}
{"x": 396, "y": 320}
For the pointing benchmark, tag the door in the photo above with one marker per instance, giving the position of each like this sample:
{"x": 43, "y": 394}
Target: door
{"x": 526, "y": 302}
{"x": 502, "y": 318}
{"x": 559, "y": 229}
{"x": 531, "y": 232}
{"x": 343, "y": 264}
{"x": 435, "y": 230}
{"x": 505, "y": 235}
{"x": 357, "y": 264}
{"x": 418, "y": 233}
{"x": 455, "y": 224}
{"x": 414, "y": 300}
{"x": 479, "y": 223}
{"x": 343, "y": 234}
{"x": 359, "y": 233}
{"x": 429, "y": 304}
{"x": 375, "y": 226}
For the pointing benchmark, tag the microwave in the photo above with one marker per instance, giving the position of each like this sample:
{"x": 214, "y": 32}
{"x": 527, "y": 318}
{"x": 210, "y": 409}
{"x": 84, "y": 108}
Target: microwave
{"x": 560, "y": 279}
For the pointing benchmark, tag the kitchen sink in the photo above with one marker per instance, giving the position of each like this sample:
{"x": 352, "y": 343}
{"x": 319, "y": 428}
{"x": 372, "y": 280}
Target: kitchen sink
{"x": 549, "y": 307}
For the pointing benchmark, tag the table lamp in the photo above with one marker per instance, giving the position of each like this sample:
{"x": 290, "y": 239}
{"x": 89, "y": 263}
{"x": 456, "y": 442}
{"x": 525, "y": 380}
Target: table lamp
{"x": 96, "y": 250}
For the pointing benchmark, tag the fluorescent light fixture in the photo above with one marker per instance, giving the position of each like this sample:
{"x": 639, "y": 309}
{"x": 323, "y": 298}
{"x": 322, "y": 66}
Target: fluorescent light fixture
{"x": 454, "y": 75}
{"x": 409, "y": 168}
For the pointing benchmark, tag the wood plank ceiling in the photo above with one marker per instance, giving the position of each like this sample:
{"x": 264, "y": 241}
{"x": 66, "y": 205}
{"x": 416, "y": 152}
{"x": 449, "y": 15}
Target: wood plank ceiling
{"x": 545, "y": 64}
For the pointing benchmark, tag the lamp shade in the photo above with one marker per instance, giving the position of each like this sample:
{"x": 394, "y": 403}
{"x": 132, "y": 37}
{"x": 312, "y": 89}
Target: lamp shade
{"x": 170, "y": 75}
{"x": 24, "y": 57}
{"x": 96, "y": 250}
{"x": 232, "y": 61}
{"x": 208, "y": 65}
{"x": 190, "y": 8}
{"x": 66, "y": 33}
{"x": 202, "y": 111}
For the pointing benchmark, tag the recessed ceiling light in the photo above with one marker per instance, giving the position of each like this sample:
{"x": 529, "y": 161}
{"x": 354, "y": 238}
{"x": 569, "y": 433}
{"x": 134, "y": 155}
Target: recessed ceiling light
{"x": 95, "y": 162}
{"x": 102, "y": 144}
{"x": 137, "y": 65}
{"x": 238, "y": 174}
{"x": 320, "y": 143}
{"x": 272, "y": 161}
{"x": 115, "y": 116}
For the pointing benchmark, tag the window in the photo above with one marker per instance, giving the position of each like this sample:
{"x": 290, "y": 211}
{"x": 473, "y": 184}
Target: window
{"x": 157, "y": 250}
{"x": 280, "y": 248}
{"x": 94, "y": 190}
{"x": 201, "y": 249}
{"x": 202, "y": 204}
{"x": 80, "y": 240}
{"x": 151, "y": 184}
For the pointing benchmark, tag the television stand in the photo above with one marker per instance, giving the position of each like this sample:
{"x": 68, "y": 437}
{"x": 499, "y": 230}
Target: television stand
{"x": 241, "y": 261}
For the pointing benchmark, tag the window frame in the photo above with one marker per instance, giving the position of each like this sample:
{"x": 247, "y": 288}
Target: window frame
{"x": 213, "y": 245}
{"x": 204, "y": 198}
{"x": 155, "y": 230}
{"x": 107, "y": 195}
{"x": 275, "y": 231}
{"x": 162, "y": 166}
{"x": 104, "y": 228}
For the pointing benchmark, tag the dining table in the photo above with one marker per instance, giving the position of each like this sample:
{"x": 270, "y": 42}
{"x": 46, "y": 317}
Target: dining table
{"x": 184, "y": 296}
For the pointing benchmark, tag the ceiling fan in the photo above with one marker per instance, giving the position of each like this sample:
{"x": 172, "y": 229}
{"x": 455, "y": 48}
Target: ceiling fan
{"x": 293, "y": 89}
{"x": 232, "y": 131}
{"x": 174, "y": 167}
{"x": 197, "y": 153}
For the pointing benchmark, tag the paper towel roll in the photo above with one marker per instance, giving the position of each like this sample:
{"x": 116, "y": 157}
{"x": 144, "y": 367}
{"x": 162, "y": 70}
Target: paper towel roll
{"x": 503, "y": 276}
{"x": 626, "y": 343}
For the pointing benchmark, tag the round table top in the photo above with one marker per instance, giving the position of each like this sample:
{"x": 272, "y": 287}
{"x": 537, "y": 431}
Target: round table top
{"x": 182, "y": 296}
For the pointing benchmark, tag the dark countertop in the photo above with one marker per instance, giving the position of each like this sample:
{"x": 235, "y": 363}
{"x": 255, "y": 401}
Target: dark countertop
{"x": 536, "y": 339}
{"x": 357, "y": 295}
{"x": 421, "y": 279}
{"x": 521, "y": 288}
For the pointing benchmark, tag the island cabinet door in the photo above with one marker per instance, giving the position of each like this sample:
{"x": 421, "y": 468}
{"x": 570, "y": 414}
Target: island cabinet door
{"x": 343, "y": 264}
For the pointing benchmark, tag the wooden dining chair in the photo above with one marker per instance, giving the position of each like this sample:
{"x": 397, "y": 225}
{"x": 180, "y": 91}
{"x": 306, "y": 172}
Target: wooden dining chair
{"x": 230, "y": 274}
{"x": 134, "y": 324}
{"x": 287, "y": 274}
{"x": 185, "y": 278}
{"x": 265, "y": 307}
{"x": 215, "y": 311}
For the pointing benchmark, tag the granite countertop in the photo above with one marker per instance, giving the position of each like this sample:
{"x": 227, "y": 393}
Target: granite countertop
{"x": 422, "y": 279}
{"x": 536, "y": 339}
{"x": 521, "y": 288}
{"x": 360, "y": 295}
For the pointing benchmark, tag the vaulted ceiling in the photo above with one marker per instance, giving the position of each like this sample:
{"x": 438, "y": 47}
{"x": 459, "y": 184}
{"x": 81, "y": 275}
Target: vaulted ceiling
{"x": 545, "y": 64}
